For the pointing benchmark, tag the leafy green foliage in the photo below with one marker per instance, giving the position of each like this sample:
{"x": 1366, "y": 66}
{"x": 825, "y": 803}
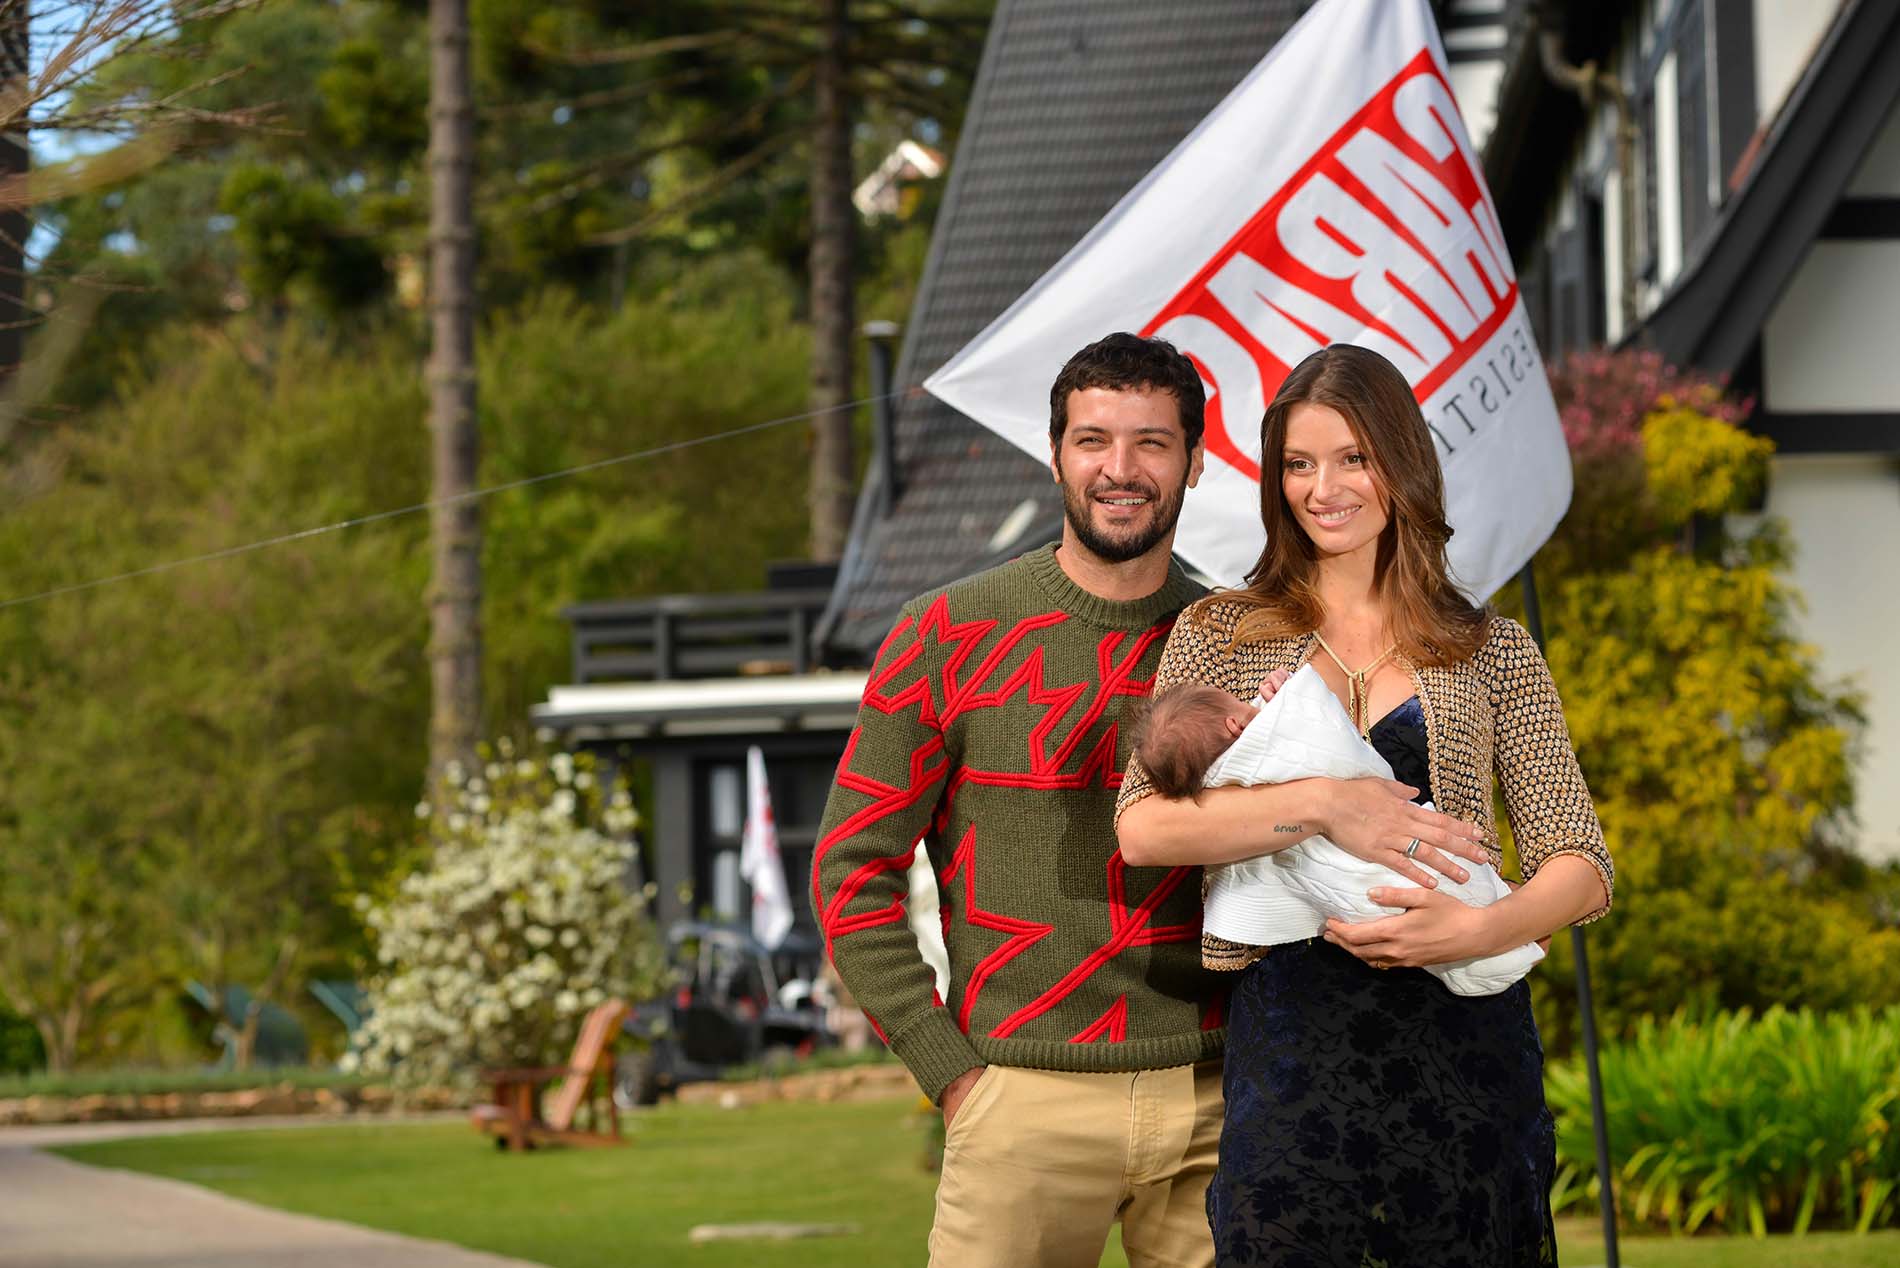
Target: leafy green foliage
{"x": 564, "y": 385}
{"x": 20, "y": 1047}
{"x": 1781, "y": 1121}
{"x": 240, "y": 742}
{"x": 294, "y": 238}
{"x": 234, "y": 738}
{"x": 248, "y": 732}
{"x": 1718, "y": 756}
{"x": 700, "y": 148}
{"x": 375, "y": 93}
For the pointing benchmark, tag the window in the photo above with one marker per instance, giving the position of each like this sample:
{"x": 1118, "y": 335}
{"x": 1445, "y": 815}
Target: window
{"x": 1732, "y": 41}
{"x": 1646, "y": 220}
{"x": 1595, "y": 315}
{"x": 1694, "y": 120}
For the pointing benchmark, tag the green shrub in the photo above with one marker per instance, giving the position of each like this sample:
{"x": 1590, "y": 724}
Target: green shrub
{"x": 132, "y": 1082}
{"x": 518, "y": 925}
{"x": 1719, "y": 754}
{"x": 20, "y": 1047}
{"x": 1754, "y": 1123}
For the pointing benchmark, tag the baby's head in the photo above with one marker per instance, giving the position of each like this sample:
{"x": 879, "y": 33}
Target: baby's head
{"x": 1185, "y": 728}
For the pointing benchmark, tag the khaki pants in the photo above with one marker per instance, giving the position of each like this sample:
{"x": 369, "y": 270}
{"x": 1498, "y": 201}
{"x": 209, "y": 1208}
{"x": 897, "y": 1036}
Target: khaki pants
{"x": 1038, "y": 1164}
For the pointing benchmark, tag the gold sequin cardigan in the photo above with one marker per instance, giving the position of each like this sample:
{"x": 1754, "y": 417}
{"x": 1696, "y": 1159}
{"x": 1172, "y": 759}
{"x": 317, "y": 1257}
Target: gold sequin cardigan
{"x": 1497, "y": 711}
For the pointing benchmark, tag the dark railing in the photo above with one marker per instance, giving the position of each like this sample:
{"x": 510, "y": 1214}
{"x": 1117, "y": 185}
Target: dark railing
{"x": 696, "y": 635}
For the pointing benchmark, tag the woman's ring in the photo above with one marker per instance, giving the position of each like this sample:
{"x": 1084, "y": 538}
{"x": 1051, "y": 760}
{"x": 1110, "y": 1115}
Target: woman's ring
{"x": 1412, "y": 849}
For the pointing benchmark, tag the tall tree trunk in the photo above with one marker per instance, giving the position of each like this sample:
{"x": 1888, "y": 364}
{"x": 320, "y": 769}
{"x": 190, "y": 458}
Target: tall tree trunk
{"x": 455, "y": 597}
{"x": 15, "y": 74}
{"x": 59, "y": 1035}
{"x": 833, "y": 301}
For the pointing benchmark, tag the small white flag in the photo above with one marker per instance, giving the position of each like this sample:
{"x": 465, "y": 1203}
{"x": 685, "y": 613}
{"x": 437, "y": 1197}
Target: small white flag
{"x": 759, "y": 861}
{"x": 1333, "y": 197}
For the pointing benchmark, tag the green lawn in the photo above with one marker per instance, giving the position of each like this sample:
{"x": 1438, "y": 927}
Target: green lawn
{"x": 1580, "y": 1243}
{"x": 575, "y": 1208}
{"x": 696, "y": 1164}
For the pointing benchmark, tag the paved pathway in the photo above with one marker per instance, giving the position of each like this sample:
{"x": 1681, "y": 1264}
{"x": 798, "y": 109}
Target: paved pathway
{"x": 59, "y": 1214}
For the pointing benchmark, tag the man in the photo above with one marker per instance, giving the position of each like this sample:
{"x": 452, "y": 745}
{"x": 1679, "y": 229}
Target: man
{"x": 1075, "y": 1058}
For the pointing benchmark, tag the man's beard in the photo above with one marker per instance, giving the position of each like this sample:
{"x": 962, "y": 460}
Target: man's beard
{"x": 1118, "y": 546}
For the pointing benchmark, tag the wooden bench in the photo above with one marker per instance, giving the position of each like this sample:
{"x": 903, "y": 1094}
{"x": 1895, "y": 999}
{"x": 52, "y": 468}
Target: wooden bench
{"x": 515, "y": 1117}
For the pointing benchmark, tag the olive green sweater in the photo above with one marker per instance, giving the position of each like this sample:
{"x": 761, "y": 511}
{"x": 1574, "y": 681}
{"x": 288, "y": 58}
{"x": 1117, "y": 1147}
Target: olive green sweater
{"x": 994, "y": 727}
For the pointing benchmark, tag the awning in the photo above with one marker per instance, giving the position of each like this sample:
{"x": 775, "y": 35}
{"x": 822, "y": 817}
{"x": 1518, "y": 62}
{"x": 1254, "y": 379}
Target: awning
{"x": 703, "y": 706}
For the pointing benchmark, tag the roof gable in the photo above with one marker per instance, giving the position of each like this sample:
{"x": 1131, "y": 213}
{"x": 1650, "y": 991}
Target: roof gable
{"x": 1073, "y": 104}
{"x": 1713, "y": 314}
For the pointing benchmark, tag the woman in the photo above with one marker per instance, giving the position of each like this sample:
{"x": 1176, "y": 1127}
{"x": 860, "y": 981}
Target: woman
{"x": 1373, "y": 1116}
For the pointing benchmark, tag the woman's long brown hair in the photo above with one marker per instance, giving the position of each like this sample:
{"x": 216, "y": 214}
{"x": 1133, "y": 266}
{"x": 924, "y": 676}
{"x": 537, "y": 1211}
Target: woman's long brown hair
{"x": 1432, "y": 622}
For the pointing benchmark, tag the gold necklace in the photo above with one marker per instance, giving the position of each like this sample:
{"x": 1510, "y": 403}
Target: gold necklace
{"x": 1356, "y": 697}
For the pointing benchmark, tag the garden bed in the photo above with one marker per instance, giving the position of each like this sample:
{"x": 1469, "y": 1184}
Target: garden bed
{"x": 126, "y": 1098}
{"x": 874, "y": 1081}
{"x": 279, "y": 1099}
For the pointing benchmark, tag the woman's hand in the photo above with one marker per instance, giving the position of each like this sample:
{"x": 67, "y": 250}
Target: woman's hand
{"x": 1437, "y": 928}
{"x": 1376, "y": 820}
{"x": 1433, "y": 929}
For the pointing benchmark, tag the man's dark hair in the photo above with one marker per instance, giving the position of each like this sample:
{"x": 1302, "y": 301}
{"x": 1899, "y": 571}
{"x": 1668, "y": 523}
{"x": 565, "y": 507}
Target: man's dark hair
{"x": 1122, "y": 362}
{"x": 1180, "y": 733}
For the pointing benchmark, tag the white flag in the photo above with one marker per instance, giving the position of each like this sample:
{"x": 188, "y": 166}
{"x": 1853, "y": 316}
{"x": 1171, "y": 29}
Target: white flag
{"x": 1333, "y": 197}
{"x": 759, "y": 861}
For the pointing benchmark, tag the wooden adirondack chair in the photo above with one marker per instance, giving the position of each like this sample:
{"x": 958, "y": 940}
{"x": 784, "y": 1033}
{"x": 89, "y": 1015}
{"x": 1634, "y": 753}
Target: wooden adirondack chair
{"x": 515, "y": 1117}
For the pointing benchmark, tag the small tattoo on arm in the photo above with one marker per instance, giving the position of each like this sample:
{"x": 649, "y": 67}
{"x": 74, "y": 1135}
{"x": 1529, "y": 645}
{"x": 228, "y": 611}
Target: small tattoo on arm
{"x": 1288, "y": 827}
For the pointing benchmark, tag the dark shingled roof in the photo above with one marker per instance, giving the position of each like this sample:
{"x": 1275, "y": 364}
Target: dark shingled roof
{"x": 1074, "y": 102}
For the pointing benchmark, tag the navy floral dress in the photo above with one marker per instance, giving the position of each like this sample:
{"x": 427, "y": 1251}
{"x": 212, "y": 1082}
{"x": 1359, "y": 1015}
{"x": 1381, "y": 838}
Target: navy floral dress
{"x": 1374, "y": 1119}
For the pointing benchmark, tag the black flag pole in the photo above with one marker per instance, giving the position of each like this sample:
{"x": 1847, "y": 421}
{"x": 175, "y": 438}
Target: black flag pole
{"x": 1586, "y": 1008}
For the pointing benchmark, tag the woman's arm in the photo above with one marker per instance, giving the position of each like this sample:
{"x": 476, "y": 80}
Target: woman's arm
{"x": 1559, "y": 840}
{"x": 1222, "y": 825}
{"x": 1545, "y": 797}
{"x": 1372, "y": 819}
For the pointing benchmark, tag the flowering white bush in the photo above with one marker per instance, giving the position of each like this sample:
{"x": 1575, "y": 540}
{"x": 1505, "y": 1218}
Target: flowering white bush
{"x": 520, "y": 922}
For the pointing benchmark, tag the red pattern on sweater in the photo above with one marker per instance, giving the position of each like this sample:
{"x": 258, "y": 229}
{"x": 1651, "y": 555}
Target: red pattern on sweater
{"x": 1113, "y": 1024}
{"x": 900, "y": 683}
{"x": 1023, "y": 934}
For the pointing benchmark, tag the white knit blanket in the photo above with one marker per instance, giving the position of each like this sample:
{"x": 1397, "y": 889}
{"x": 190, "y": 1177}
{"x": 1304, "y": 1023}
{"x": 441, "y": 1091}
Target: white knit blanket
{"x": 1303, "y": 733}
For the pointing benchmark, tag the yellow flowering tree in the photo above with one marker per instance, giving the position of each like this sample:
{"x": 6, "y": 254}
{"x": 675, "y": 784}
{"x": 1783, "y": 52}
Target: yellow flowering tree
{"x": 1719, "y": 757}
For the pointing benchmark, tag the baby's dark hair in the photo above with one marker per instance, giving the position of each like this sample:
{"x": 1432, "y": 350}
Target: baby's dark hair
{"x": 1180, "y": 734}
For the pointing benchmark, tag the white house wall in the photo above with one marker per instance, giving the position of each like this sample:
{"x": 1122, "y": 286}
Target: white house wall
{"x": 1843, "y": 513}
{"x": 1829, "y": 348}
{"x": 1787, "y": 32}
{"x": 1830, "y": 344}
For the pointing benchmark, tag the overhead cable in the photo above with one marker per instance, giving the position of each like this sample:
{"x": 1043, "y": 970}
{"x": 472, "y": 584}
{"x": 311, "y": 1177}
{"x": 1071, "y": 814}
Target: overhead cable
{"x": 472, "y": 495}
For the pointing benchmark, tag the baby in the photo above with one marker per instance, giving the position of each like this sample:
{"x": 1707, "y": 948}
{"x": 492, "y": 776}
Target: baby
{"x": 1195, "y": 736}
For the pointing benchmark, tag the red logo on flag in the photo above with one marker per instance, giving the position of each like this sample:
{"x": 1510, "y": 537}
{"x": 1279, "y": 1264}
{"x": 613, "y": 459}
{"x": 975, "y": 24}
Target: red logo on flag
{"x": 1384, "y": 238}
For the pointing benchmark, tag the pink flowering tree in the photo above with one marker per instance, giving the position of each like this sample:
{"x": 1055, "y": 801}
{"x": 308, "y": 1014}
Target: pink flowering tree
{"x": 1604, "y": 398}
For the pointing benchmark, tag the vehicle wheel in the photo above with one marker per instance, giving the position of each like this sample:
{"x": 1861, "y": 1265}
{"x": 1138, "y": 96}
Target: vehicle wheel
{"x": 635, "y": 1079}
